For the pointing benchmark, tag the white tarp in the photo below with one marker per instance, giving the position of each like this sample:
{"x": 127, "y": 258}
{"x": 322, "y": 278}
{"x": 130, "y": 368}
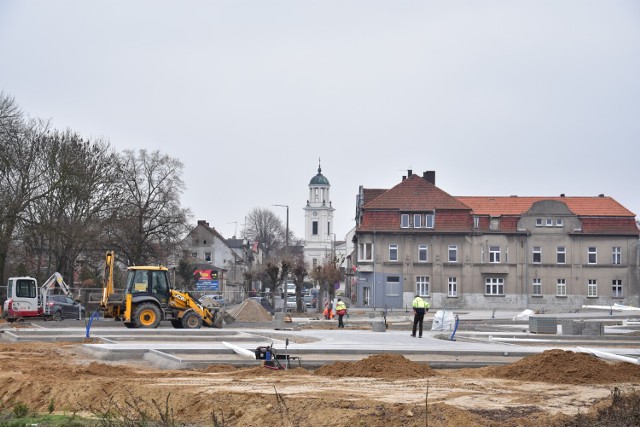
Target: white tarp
{"x": 614, "y": 307}
{"x": 524, "y": 315}
{"x": 443, "y": 321}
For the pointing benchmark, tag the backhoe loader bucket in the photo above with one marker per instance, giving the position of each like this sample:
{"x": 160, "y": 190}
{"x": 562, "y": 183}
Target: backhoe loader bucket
{"x": 228, "y": 319}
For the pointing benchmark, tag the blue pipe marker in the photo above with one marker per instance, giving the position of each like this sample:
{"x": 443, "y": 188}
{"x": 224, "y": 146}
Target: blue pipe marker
{"x": 455, "y": 328}
{"x": 95, "y": 315}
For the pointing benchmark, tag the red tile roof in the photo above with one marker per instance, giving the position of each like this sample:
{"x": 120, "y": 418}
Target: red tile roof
{"x": 516, "y": 205}
{"x": 415, "y": 194}
{"x": 371, "y": 193}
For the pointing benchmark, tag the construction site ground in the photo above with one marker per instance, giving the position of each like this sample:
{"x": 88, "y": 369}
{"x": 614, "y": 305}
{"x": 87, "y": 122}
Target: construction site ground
{"x": 492, "y": 372}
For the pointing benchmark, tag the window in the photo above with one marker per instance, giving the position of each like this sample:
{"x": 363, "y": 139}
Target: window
{"x": 417, "y": 220}
{"x": 538, "y": 222}
{"x": 453, "y": 287}
{"x": 559, "y": 223}
{"x": 404, "y": 221}
{"x": 536, "y": 288}
{"x": 549, "y": 222}
{"x": 365, "y": 251}
{"x": 194, "y": 254}
{"x": 328, "y": 227}
{"x": 315, "y": 262}
{"x": 494, "y": 224}
{"x": 616, "y": 255}
{"x": 453, "y": 253}
{"x": 616, "y": 288}
{"x": 393, "y": 252}
{"x": 423, "y": 253}
{"x": 314, "y": 228}
{"x": 494, "y": 254}
{"x": 476, "y": 222}
{"x": 494, "y": 286}
{"x": 422, "y": 285}
{"x": 537, "y": 254}
{"x": 561, "y": 288}
{"x": 429, "y": 220}
{"x": 592, "y": 288}
{"x": 561, "y": 254}
{"x": 592, "y": 255}
{"x": 393, "y": 285}
{"x": 26, "y": 288}
{"x": 207, "y": 256}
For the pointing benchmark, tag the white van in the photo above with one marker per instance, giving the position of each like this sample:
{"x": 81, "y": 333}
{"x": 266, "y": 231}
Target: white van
{"x": 291, "y": 289}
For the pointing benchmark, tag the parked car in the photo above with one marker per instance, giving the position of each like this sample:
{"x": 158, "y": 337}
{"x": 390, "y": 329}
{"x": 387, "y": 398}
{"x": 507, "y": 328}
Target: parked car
{"x": 292, "y": 306}
{"x": 63, "y": 307}
{"x": 310, "y": 300}
{"x": 212, "y": 297}
{"x": 264, "y": 302}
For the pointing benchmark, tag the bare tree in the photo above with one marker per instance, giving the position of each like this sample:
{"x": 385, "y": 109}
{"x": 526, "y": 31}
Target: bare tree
{"x": 150, "y": 220}
{"x": 21, "y": 166}
{"x": 266, "y": 227}
{"x": 276, "y": 273}
{"x": 82, "y": 185}
{"x": 327, "y": 275}
{"x": 299, "y": 271}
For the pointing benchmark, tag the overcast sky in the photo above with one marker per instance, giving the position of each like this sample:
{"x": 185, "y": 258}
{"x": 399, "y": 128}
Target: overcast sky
{"x": 533, "y": 98}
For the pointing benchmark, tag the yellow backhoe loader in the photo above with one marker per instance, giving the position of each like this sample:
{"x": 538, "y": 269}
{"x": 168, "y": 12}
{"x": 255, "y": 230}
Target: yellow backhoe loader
{"x": 148, "y": 299}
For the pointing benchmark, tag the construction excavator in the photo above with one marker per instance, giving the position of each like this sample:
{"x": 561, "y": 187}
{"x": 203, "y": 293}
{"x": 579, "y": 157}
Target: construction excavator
{"x": 148, "y": 298}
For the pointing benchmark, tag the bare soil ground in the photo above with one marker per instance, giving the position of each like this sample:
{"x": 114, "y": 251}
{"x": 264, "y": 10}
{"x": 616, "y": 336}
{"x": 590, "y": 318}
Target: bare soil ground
{"x": 383, "y": 390}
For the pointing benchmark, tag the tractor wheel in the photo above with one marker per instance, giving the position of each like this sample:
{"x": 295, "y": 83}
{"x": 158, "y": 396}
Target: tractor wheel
{"x": 129, "y": 325}
{"x": 176, "y": 323}
{"x": 191, "y": 320}
{"x": 147, "y": 315}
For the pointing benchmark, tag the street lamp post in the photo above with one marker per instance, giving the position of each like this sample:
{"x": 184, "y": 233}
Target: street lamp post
{"x": 287, "y": 230}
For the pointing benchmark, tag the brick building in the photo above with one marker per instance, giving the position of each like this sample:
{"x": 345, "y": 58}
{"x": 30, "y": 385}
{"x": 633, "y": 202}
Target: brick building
{"x": 552, "y": 253}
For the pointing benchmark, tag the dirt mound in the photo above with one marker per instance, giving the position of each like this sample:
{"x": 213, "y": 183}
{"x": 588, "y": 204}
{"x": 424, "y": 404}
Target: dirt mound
{"x": 388, "y": 366}
{"x": 565, "y": 367}
{"x": 250, "y": 311}
{"x": 102, "y": 370}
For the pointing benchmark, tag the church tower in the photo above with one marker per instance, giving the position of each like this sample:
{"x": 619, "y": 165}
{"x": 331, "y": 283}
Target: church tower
{"x": 319, "y": 235}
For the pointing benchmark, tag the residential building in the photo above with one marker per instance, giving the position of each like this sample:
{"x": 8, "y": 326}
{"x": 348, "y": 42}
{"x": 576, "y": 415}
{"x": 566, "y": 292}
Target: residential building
{"x": 552, "y": 253}
{"x": 231, "y": 258}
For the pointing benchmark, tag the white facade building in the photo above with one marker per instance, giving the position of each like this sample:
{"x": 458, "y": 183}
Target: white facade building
{"x": 319, "y": 234}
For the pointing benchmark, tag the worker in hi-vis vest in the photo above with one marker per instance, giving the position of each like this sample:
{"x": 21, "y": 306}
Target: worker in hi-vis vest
{"x": 420, "y": 307}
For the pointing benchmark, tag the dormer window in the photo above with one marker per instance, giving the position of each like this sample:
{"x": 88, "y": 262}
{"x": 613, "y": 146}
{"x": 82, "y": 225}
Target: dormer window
{"x": 430, "y": 218}
{"x": 404, "y": 221}
{"x": 417, "y": 221}
{"x": 494, "y": 224}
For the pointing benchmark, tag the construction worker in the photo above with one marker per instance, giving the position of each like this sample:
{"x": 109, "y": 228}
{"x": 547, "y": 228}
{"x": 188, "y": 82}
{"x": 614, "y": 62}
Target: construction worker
{"x": 420, "y": 307}
{"x": 341, "y": 310}
{"x": 328, "y": 311}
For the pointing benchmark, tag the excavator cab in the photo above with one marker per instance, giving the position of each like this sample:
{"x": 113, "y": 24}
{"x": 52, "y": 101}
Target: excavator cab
{"x": 147, "y": 295}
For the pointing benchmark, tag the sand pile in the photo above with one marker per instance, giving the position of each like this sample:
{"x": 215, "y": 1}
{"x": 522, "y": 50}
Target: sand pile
{"x": 250, "y": 311}
{"x": 388, "y": 366}
{"x": 566, "y": 367}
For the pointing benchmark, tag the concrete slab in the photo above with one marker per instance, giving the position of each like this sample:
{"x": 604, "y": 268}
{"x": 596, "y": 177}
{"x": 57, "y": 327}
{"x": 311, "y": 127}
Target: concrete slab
{"x": 483, "y": 338}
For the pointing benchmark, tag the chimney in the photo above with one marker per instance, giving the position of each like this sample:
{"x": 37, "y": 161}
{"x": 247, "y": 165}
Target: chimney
{"x": 409, "y": 173}
{"x": 429, "y": 176}
{"x": 404, "y": 177}
{"x": 203, "y": 222}
{"x": 561, "y": 194}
